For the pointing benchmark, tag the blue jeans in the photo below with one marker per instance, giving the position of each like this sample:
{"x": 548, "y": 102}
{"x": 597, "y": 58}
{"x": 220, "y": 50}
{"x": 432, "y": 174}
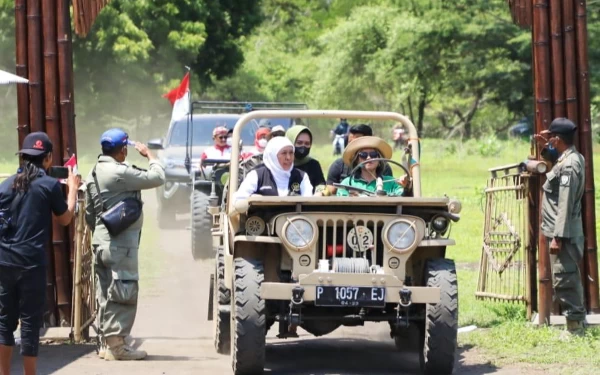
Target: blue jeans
{"x": 22, "y": 296}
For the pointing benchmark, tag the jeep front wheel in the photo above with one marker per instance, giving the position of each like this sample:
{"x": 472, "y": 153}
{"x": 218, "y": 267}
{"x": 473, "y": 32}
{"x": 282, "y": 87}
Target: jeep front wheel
{"x": 201, "y": 227}
{"x": 441, "y": 320}
{"x": 248, "y": 330}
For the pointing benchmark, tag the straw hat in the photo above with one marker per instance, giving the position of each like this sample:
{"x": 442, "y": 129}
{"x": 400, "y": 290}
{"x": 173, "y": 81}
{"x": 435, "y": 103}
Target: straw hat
{"x": 366, "y": 142}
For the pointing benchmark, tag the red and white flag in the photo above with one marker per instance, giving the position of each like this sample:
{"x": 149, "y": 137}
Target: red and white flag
{"x": 180, "y": 98}
{"x": 72, "y": 162}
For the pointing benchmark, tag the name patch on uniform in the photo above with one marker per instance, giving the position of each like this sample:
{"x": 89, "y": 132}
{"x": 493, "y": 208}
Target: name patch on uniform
{"x": 265, "y": 188}
{"x": 565, "y": 180}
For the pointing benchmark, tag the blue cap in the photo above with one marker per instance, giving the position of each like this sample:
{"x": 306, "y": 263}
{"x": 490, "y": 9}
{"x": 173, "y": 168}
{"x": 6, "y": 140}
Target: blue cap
{"x": 114, "y": 137}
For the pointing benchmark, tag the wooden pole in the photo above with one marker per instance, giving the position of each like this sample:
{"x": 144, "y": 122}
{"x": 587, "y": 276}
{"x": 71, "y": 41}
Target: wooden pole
{"x": 34, "y": 54}
{"x": 65, "y": 68}
{"x": 558, "y": 81}
{"x": 570, "y": 65}
{"x": 21, "y": 65}
{"x": 77, "y": 285}
{"x": 543, "y": 114}
{"x": 585, "y": 147}
{"x": 52, "y": 124}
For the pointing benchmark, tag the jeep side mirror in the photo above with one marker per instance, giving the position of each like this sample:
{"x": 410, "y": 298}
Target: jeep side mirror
{"x": 155, "y": 144}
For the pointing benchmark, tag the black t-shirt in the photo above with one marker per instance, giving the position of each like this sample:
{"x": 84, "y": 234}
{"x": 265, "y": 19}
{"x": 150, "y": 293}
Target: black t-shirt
{"x": 338, "y": 171}
{"x": 315, "y": 174}
{"x": 27, "y": 248}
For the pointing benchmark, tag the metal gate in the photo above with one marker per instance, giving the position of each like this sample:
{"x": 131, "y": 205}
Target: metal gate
{"x": 503, "y": 267}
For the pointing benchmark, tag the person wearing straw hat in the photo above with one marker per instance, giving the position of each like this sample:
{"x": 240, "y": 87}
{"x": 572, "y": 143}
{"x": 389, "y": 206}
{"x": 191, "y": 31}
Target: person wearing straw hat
{"x": 361, "y": 150}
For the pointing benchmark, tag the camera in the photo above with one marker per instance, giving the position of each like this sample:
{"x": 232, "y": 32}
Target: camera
{"x": 59, "y": 172}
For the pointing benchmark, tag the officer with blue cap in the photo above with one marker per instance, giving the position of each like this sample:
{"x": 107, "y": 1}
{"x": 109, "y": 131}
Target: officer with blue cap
{"x": 116, "y": 257}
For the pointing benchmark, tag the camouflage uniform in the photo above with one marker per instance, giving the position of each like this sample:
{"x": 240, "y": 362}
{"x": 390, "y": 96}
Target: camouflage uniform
{"x": 116, "y": 258}
{"x": 561, "y": 218}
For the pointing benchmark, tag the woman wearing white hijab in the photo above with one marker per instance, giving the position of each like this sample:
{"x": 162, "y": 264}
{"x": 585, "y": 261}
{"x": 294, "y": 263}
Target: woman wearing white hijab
{"x": 277, "y": 176}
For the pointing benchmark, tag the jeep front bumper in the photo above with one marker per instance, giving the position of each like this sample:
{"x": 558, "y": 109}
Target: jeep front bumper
{"x": 283, "y": 291}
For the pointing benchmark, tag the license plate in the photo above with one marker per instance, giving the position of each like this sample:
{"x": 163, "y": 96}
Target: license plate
{"x": 353, "y": 296}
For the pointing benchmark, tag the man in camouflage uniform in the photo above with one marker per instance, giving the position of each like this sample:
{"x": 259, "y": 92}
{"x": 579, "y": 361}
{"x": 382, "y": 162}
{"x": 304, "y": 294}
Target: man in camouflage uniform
{"x": 561, "y": 221}
{"x": 116, "y": 258}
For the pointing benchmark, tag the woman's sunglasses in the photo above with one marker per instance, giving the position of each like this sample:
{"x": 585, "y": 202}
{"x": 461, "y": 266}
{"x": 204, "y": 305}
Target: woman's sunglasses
{"x": 223, "y": 138}
{"x": 372, "y": 154}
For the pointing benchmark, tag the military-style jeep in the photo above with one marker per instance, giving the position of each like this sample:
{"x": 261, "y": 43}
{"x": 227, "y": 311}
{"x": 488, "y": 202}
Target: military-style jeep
{"x": 322, "y": 262}
{"x": 190, "y": 185}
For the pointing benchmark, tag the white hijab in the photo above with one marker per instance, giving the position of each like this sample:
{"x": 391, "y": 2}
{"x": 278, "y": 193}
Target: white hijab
{"x": 280, "y": 175}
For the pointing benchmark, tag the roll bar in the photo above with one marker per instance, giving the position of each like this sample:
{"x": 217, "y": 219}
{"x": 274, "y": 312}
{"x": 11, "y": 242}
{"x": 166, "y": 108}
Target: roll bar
{"x": 413, "y": 139}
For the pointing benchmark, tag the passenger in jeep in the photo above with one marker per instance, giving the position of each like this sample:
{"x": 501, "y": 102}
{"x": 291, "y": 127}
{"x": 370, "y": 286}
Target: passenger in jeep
{"x": 260, "y": 140}
{"x": 277, "y": 176}
{"x": 302, "y": 139}
{"x": 361, "y": 150}
{"x": 220, "y": 150}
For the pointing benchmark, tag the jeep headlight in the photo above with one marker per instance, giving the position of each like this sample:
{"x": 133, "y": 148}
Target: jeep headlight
{"x": 440, "y": 224}
{"x": 299, "y": 233}
{"x": 401, "y": 235}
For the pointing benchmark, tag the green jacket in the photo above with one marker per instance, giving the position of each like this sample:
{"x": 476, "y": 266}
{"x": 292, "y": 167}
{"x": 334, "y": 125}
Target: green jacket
{"x": 563, "y": 191}
{"x": 390, "y": 185}
{"x": 118, "y": 181}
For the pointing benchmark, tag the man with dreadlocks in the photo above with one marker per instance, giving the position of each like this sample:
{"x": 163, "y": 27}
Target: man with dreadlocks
{"x": 27, "y": 201}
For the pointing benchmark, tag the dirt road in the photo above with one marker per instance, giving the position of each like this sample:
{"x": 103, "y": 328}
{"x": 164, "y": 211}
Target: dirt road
{"x": 172, "y": 327}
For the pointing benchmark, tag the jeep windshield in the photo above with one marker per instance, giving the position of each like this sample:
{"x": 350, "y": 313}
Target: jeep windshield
{"x": 202, "y": 130}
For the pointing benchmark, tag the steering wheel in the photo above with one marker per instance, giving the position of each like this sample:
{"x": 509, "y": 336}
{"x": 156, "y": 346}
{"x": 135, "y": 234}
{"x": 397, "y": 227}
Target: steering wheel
{"x": 368, "y": 192}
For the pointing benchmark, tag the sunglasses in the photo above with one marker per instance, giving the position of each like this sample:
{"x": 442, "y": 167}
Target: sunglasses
{"x": 223, "y": 138}
{"x": 371, "y": 154}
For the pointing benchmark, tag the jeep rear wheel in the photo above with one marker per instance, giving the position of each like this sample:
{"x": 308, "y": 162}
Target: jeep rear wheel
{"x": 201, "y": 227}
{"x": 248, "y": 331}
{"x": 441, "y": 320}
{"x": 221, "y": 307}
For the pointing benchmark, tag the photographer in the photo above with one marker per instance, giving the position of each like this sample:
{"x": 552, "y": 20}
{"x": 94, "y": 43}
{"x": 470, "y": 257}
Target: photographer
{"x": 113, "y": 181}
{"x": 27, "y": 201}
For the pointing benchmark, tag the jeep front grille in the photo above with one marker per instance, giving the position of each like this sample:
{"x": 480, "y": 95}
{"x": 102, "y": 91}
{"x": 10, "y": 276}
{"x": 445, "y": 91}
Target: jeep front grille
{"x": 334, "y": 239}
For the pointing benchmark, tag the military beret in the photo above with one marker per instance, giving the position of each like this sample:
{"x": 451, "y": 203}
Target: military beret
{"x": 561, "y": 125}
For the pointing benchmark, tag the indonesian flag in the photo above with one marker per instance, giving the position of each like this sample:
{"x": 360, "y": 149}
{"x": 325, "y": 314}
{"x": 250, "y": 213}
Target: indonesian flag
{"x": 180, "y": 98}
{"x": 72, "y": 162}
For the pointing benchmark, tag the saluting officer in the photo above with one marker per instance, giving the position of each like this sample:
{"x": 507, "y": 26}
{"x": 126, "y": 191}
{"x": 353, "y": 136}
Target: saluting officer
{"x": 116, "y": 258}
{"x": 561, "y": 221}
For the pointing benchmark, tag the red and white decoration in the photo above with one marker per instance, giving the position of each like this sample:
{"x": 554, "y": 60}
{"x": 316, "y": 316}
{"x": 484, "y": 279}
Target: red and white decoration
{"x": 180, "y": 98}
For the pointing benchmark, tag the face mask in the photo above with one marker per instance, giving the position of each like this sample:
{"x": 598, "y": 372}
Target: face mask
{"x": 229, "y": 141}
{"x": 262, "y": 143}
{"x": 301, "y": 152}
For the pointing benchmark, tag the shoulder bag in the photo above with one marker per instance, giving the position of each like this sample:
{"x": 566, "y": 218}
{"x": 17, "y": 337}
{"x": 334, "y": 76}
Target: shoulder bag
{"x": 120, "y": 216}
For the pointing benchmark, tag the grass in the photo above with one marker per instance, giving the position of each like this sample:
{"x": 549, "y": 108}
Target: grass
{"x": 458, "y": 170}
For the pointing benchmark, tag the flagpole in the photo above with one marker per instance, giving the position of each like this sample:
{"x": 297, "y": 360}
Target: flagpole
{"x": 189, "y": 139}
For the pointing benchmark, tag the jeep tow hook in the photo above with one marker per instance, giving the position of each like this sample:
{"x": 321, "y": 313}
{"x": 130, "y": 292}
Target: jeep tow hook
{"x": 405, "y": 297}
{"x": 297, "y": 295}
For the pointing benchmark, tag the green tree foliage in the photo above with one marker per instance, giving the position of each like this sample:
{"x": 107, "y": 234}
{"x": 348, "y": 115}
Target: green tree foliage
{"x": 137, "y": 50}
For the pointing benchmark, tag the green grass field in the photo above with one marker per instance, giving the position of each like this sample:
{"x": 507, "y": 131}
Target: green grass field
{"x": 458, "y": 170}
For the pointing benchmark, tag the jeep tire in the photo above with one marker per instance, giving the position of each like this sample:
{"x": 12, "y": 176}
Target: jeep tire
{"x": 248, "y": 330}
{"x": 440, "y": 330}
{"x": 201, "y": 227}
{"x": 222, "y": 307}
